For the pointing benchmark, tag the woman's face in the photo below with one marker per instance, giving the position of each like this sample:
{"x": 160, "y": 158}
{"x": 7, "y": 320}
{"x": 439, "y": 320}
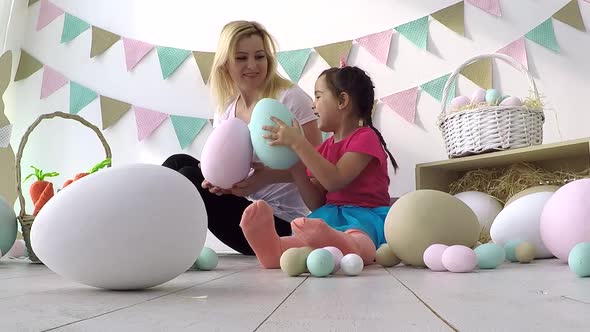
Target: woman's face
{"x": 249, "y": 66}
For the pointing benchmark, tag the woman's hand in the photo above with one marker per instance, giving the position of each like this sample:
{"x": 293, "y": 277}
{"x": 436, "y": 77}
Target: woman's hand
{"x": 215, "y": 190}
{"x": 253, "y": 183}
{"x": 282, "y": 134}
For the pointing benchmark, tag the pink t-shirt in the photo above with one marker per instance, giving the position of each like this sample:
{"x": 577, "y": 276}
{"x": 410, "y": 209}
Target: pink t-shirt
{"x": 370, "y": 188}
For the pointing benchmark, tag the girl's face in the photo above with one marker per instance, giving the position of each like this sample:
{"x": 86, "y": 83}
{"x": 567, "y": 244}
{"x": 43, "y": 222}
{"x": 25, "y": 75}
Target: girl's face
{"x": 249, "y": 67}
{"x": 326, "y": 106}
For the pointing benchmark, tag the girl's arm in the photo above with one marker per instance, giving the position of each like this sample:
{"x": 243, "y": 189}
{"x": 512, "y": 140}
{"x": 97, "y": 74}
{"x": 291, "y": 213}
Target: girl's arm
{"x": 312, "y": 193}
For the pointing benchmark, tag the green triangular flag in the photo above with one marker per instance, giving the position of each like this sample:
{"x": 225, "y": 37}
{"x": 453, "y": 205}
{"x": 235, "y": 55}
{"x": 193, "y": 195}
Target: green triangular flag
{"x": 80, "y": 97}
{"x": 544, "y": 35}
{"x": 187, "y": 128}
{"x": 452, "y": 17}
{"x": 102, "y": 40}
{"x": 436, "y": 86}
{"x": 294, "y": 62}
{"x": 73, "y": 27}
{"x": 27, "y": 66}
{"x": 170, "y": 59}
{"x": 416, "y": 31}
{"x": 480, "y": 73}
{"x": 205, "y": 62}
{"x": 570, "y": 14}
{"x": 112, "y": 110}
{"x": 32, "y": 2}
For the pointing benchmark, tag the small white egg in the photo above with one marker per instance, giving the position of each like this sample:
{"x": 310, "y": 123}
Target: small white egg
{"x": 351, "y": 264}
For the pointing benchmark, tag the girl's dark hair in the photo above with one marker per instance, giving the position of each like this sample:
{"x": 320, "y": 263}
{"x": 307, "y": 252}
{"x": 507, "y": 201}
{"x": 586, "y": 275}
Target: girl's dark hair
{"x": 359, "y": 86}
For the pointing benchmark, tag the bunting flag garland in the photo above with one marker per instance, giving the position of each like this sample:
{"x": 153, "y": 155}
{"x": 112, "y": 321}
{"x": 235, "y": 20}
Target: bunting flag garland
{"x": 170, "y": 59}
{"x": 205, "y": 62}
{"x": 403, "y": 103}
{"x": 480, "y": 73}
{"x": 102, "y": 40}
{"x": 27, "y": 66}
{"x": 186, "y": 128}
{"x": 415, "y": 31}
{"x": 52, "y": 81}
{"x": 32, "y": 2}
{"x": 452, "y": 17}
{"x": 147, "y": 121}
{"x": 570, "y": 14}
{"x": 332, "y": 53}
{"x": 73, "y": 27}
{"x": 435, "y": 88}
{"x": 135, "y": 50}
{"x": 377, "y": 44}
{"x": 516, "y": 50}
{"x": 47, "y": 13}
{"x": 80, "y": 97}
{"x": 294, "y": 62}
{"x": 112, "y": 110}
{"x": 544, "y": 35}
{"x": 490, "y": 6}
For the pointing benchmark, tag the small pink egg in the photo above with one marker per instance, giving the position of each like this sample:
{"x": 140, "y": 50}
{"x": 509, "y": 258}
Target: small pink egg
{"x": 511, "y": 101}
{"x": 433, "y": 257}
{"x": 459, "y": 101}
{"x": 337, "y": 254}
{"x": 459, "y": 258}
{"x": 478, "y": 96}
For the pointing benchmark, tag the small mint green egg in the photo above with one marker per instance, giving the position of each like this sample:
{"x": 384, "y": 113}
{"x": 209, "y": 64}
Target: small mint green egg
{"x": 207, "y": 260}
{"x": 276, "y": 157}
{"x": 493, "y": 97}
{"x": 320, "y": 262}
{"x": 579, "y": 259}
{"x": 510, "y": 248}
{"x": 490, "y": 256}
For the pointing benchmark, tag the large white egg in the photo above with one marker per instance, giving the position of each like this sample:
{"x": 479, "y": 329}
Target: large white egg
{"x": 114, "y": 229}
{"x": 521, "y": 221}
{"x": 226, "y": 158}
{"x": 485, "y": 207}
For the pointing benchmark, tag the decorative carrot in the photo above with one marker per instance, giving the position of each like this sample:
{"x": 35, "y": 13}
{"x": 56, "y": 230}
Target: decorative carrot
{"x": 102, "y": 164}
{"x": 41, "y": 191}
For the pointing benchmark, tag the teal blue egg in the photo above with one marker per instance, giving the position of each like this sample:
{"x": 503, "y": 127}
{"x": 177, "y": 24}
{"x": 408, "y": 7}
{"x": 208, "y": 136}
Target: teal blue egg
{"x": 8, "y": 226}
{"x": 490, "y": 256}
{"x": 579, "y": 259}
{"x": 276, "y": 157}
{"x": 509, "y": 247}
{"x": 493, "y": 97}
{"x": 207, "y": 260}
{"x": 320, "y": 262}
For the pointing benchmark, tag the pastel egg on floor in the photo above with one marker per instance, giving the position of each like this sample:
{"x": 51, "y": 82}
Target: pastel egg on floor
{"x": 386, "y": 257}
{"x": 565, "y": 220}
{"x": 19, "y": 249}
{"x": 478, "y": 96}
{"x": 492, "y": 97}
{"x": 525, "y": 252}
{"x": 207, "y": 260}
{"x": 459, "y": 259}
{"x": 276, "y": 157}
{"x": 227, "y": 154}
{"x": 485, "y": 207}
{"x": 320, "y": 262}
{"x": 579, "y": 259}
{"x": 521, "y": 220}
{"x": 8, "y": 225}
{"x": 114, "y": 228}
{"x": 337, "y": 254}
{"x": 433, "y": 257}
{"x": 459, "y": 102}
{"x": 490, "y": 255}
{"x": 294, "y": 261}
{"x": 511, "y": 101}
{"x": 510, "y": 248}
{"x": 352, "y": 264}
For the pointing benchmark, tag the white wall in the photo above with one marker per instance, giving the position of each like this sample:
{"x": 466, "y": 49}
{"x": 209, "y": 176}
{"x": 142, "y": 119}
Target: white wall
{"x": 561, "y": 78}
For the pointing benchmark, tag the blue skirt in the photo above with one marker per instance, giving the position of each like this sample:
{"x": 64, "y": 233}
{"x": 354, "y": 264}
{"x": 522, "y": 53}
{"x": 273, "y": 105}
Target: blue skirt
{"x": 368, "y": 220}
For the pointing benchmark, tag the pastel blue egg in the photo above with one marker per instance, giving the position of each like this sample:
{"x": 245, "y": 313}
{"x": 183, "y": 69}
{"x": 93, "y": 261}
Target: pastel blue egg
{"x": 8, "y": 226}
{"x": 490, "y": 256}
{"x": 509, "y": 247}
{"x": 579, "y": 259}
{"x": 276, "y": 157}
{"x": 207, "y": 260}
{"x": 320, "y": 262}
{"x": 493, "y": 97}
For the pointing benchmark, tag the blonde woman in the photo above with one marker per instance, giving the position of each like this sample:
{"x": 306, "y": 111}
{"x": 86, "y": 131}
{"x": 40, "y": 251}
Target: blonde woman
{"x": 245, "y": 71}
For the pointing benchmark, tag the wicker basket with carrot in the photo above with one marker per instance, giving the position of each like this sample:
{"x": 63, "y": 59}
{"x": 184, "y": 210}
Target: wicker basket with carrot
{"x": 42, "y": 190}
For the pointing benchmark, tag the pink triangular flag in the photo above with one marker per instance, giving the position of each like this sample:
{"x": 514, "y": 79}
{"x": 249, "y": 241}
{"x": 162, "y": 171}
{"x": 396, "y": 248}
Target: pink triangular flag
{"x": 490, "y": 6}
{"x": 377, "y": 44}
{"x": 147, "y": 121}
{"x": 516, "y": 50}
{"x": 403, "y": 103}
{"x": 135, "y": 50}
{"x": 52, "y": 81}
{"x": 47, "y": 13}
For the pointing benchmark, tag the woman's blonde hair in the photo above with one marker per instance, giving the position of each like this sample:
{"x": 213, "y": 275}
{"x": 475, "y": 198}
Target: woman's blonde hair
{"x": 222, "y": 86}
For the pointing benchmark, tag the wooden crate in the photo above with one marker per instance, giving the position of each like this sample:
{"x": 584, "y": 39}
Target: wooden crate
{"x": 571, "y": 155}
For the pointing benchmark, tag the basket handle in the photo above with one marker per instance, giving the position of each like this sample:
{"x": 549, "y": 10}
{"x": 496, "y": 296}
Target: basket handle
{"x": 25, "y": 139}
{"x": 500, "y": 56}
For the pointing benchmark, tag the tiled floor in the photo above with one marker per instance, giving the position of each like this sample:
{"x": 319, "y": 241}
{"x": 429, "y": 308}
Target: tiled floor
{"x": 241, "y": 296}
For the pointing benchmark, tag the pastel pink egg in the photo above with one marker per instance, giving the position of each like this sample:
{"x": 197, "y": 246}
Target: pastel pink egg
{"x": 227, "y": 154}
{"x": 478, "y": 96}
{"x": 459, "y": 259}
{"x": 565, "y": 219}
{"x": 337, "y": 254}
{"x": 459, "y": 101}
{"x": 433, "y": 257}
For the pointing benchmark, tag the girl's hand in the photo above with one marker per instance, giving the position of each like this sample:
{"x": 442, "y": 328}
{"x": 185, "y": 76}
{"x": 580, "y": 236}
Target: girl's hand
{"x": 215, "y": 190}
{"x": 282, "y": 134}
{"x": 251, "y": 184}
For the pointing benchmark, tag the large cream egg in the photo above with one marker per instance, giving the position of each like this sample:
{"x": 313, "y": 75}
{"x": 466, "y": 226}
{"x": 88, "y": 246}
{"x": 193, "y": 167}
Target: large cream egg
{"x": 227, "y": 154}
{"x": 485, "y": 207}
{"x": 115, "y": 228}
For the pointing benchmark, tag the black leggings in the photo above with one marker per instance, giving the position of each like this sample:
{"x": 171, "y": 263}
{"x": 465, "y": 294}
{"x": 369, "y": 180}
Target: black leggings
{"x": 224, "y": 212}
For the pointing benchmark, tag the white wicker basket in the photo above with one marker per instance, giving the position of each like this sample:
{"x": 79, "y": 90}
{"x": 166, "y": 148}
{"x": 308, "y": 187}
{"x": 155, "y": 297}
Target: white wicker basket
{"x": 490, "y": 128}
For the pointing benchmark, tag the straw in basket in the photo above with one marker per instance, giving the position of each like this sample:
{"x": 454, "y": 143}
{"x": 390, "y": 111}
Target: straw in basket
{"x": 26, "y": 220}
{"x": 488, "y": 128}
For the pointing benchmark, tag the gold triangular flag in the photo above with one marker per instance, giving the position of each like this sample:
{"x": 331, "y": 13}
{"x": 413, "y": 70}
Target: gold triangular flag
{"x": 333, "y": 52}
{"x": 570, "y": 14}
{"x": 452, "y": 17}
{"x": 205, "y": 62}
{"x": 27, "y": 66}
{"x": 112, "y": 110}
{"x": 102, "y": 40}
{"x": 32, "y": 2}
{"x": 479, "y": 73}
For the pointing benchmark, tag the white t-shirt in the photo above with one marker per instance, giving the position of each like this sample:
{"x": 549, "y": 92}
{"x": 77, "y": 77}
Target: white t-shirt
{"x": 284, "y": 198}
